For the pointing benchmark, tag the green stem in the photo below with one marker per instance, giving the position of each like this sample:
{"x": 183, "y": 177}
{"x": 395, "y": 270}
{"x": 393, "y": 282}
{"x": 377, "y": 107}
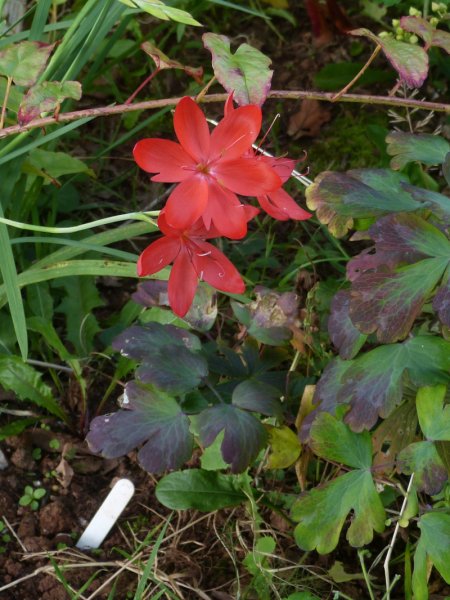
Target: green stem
{"x": 5, "y": 101}
{"x": 365, "y": 574}
{"x": 106, "y": 221}
{"x": 426, "y": 8}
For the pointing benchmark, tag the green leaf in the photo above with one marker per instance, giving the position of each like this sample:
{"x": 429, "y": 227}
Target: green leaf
{"x": 339, "y": 198}
{"x": 434, "y": 545}
{"x": 246, "y": 73}
{"x": 323, "y": 511}
{"x": 51, "y": 165}
{"x": 410, "y": 61}
{"x": 424, "y": 29}
{"x": 333, "y": 440}
{"x": 408, "y": 147}
{"x": 434, "y": 418}
{"x": 244, "y": 435}
{"x": 285, "y": 447}
{"x": 25, "y": 61}
{"x": 150, "y": 417}
{"x": 198, "y": 489}
{"x": 15, "y": 427}
{"x": 158, "y": 9}
{"x": 26, "y": 383}
{"x": 422, "y": 459}
{"x": 387, "y": 301}
{"x": 46, "y": 97}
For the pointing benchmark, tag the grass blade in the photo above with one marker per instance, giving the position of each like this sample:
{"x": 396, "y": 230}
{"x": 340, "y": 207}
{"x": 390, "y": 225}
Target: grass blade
{"x": 11, "y": 288}
{"x": 40, "y": 20}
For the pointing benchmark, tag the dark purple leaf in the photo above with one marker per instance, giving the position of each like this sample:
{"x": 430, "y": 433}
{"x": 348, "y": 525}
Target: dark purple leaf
{"x": 258, "y": 396}
{"x": 344, "y": 335}
{"x": 441, "y": 301}
{"x": 152, "y": 292}
{"x": 446, "y": 168}
{"x": 244, "y": 435}
{"x": 422, "y": 459}
{"x": 410, "y": 61}
{"x": 174, "y": 369}
{"x": 150, "y": 417}
{"x": 139, "y": 341}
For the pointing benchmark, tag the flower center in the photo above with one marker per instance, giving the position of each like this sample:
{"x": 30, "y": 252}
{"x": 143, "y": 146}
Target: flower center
{"x": 201, "y": 168}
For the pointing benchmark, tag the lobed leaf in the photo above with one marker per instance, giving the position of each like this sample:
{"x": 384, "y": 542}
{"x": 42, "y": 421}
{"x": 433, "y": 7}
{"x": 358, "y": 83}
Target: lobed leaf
{"x": 258, "y": 396}
{"x": 408, "y": 147}
{"x": 343, "y": 333}
{"x": 45, "y": 97}
{"x": 410, "y": 61}
{"x": 244, "y": 435}
{"x": 246, "y": 73}
{"x": 323, "y": 511}
{"x": 25, "y": 61}
{"x": 422, "y": 459}
{"x": 151, "y": 417}
{"x": 434, "y": 546}
{"x": 434, "y": 416}
{"x": 51, "y": 165}
{"x": 285, "y": 447}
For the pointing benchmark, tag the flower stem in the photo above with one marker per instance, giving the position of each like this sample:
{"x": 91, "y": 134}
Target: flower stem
{"x": 359, "y": 74}
{"x": 142, "y": 86}
{"x": 5, "y": 101}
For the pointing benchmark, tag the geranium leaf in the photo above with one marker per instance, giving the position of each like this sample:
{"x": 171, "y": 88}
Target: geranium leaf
{"x": 392, "y": 435}
{"x": 434, "y": 544}
{"x": 244, "y": 435}
{"x": 344, "y": 335}
{"x": 422, "y": 459}
{"x": 446, "y": 168}
{"x": 408, "y": 147}
{"x": 140, "y": 340}
{"x": 322, "y": 513}
{"x": 285, "y": 447}
{"x": 51, "y": 165}
{"x": 434, "y": 417}
{"x": 441, "y": 301}
{"x": 46, "y": 97}
{"x": 338, "y": 198}
{"x": 246, "y": 73}
{"x": 388, "y": 302}
{"x": 410, "y": 61}
{"x": 258, "y": 396}
{"x": 25, "y": 61}
{"x": 151, "y": 417}
{"x": 333, "y": 440}
{"x": 372, "y": 384}
{"x": 158, "y": 9}
{"x": 200, "y": 490}
{"x": 162, "y": 61}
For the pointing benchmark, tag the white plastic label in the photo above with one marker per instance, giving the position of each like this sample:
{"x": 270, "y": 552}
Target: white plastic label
{"x": 107, "y": 515}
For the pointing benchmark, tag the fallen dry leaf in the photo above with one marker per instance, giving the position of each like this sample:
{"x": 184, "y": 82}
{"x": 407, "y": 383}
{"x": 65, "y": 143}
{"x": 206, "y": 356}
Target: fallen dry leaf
{"x": 308, "y": 120}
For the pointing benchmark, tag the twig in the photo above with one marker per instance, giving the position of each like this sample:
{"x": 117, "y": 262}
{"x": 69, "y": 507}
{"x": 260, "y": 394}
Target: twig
{"x": 119, "y": 109}
{"x": 19, "y": 541}
{"x": 359, "y": 74}
{"x": 394, "y": 537}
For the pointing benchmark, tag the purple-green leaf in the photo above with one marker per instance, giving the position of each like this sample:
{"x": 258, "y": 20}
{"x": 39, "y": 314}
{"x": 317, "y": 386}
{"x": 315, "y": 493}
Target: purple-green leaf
{"x": 446, "y": 168}
{"x": 139, "y": 341}
{"x": 430, "y": 35}
{"x": 46, "y": 97}
{"x": 338, "y": 198}
{"x": 25, "y": 61}
{"x": 151, "y": 417}
{"x": 422, "y": 459}
{"x": 441, "y": 301}
{"x": 408, "y": 147}
{"x": 410, "y": 61}
{"x": 246, "y": 73}
{"x": 344, "y": 335}
{"x": 244, "y": 435}
{"x": 388, "y": 301}
{"x": 258, "y": 396}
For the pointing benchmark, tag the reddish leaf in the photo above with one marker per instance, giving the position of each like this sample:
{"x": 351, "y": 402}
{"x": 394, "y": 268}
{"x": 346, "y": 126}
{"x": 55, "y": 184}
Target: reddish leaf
{"x": 46, "y": 97}
{"x": 344, "y": 335}
{"x": 430, "y": 35}
{"x": 162, "y": 61}
{"x": 410, "y": 61}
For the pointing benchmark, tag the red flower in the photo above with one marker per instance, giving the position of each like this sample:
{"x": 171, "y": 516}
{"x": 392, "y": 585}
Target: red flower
{"x": 193, "y": 259}
{"x": 210, "y": 168}
{"x": 277, "y": 203}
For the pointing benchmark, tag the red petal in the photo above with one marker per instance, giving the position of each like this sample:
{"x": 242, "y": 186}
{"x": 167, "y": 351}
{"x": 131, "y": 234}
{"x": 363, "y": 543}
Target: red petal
{"x": 226, "y": 213}
{"x": 281, "y": 206}
{"x": 283, "y": 167}
{"x": 183, "y": 282}
{"x": 187, "y": 203}
{"x": 192, "y": 129}
{"x": 164, "y": 157}
{"x": 215, "y": 268}
{"x": 158, "y": 255}
{"x": 246, "y": 176}
{"x": 229, "y": 106}
{"x": 235, "y": 133}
